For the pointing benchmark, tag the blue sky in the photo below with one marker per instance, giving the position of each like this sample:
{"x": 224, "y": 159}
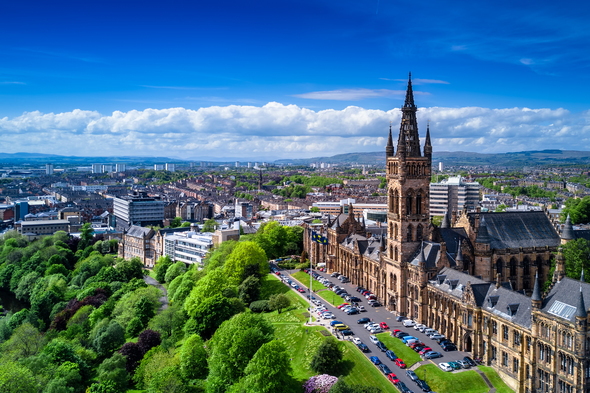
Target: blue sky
{"x": 192, "y": 78}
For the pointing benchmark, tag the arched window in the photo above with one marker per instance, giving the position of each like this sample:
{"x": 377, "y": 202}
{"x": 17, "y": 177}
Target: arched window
{"x": 409, "y": 233}
{"x": 499, "y": 264}
{"x": 391, "y": 201}
{"x": 419, "y": 233}
{"x": 409, "y": 203}
{"x": 419, "y": 203}
{"x": 395, "y": 231}
{"x": 396, "y": 202}
{"x": 512, "y": 267}
{"x": 526, "y": 267}
{"x": 396, "y": 253}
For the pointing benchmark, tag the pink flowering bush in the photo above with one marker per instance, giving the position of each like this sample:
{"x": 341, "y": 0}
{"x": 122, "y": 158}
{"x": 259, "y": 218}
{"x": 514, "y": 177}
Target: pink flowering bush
{"x": 319, "y": 384}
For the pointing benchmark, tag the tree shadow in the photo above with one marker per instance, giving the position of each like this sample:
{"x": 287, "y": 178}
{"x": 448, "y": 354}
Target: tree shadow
{"x": 345, "y": 368}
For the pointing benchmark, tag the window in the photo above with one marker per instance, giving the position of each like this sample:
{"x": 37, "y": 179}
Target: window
{"x": 504, "y": 359}
{"x": 516, "y": 339}
{"x": 494, "y": 328}
{"x": 528, "y": 344}
{"x": 494, "y": 353}
{"x": 469, "y": 320}
{"x": 515, "y": 365}
{"x": 505, "y": 332}
{"x": 528, "y": 372}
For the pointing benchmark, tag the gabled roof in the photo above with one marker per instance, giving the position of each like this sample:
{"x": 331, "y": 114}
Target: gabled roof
{"x": 431, "y": 254}
{"x": 564, "y": 294}
{"x": 452, "y": 236}
{"x": 509, "y": 305}
{"x": 454, "y": 282}
{"x": 519, "y": 229}
{"x": 135, "y": 231}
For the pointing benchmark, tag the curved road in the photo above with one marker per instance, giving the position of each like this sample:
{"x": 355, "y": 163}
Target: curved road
{"x": 164, "y": 299}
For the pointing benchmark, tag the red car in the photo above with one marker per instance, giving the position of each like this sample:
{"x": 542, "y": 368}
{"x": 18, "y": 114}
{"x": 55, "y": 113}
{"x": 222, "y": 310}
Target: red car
{"x": 278, "y": 273}
{"x": 393, "y": 378}
{"x": 400, "y": 363}
{"x": 301, "y": 290}
{"x": 395, "y": 331}
{"x": 417, "y": 343}
{"x": 342, "y": 305}
{"x": 424, "y": 350}
{"x": 384, "y": 326}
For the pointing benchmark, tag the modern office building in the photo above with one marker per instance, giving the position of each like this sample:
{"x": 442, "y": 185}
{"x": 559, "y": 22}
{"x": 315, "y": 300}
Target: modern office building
{"x": 244, "y": 209}
{"x": 96, "y": 168}
{"x": 158, "y": 167}
{"x": 107, "y": 168}
{"x": 120, "y": 167}
{"x": 171, "y": 167}
{"x": 21, "y": 209}
{"x": 343, "y": 205}
{"x": 49, "y": 169}
{"x": 187, "y": 247}
{"x": 44, "y": 227}
{"x": 453, "y": 194}
{"x": 138, "y": 209}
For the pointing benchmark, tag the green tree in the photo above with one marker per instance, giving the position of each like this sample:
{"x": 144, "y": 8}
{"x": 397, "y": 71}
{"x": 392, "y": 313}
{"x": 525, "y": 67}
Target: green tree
{"x": 175, "y": 270}
{"x": 111, "y": 339}
{"x": 144, "y": 310}
{"x": 244, "y": 255}
{"x": 210, "y": 225}
{"x": 26, "y": 285}
{"x": 578, "y": 210}
{"x": 576, "y": 254}
{"x": 25, "y": 341}
{"x": 86, "y": 235}
{"x": 212, "y": 284}
{"x": 327, "y": 358}
{"x": 162, "y": 265}
{"x": 210, "y": 314}
{"x": 103, "y": 387}
{"x": 113, "y": 369}
{"x": 176, "y": 222}
{"x": 278, "y": 302}
{"x": 186, "y": 224}
{"x": 233, "y": 346}
{"x": 217, "y": 257}
{"x": 501, "y": 208}
{"x": 314, "y": 209}
{"x": 70, "y": 373}
{"x": 193, "y": 358}
{"x": 269, "y": 370}
{"x": 249, "y": 290}
{"x": 15, "y": 378}
{"x": 168, "y": 380}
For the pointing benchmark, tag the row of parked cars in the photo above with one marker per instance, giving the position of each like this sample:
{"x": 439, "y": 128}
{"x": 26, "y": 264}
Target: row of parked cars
{"x": 466, "y": 362}
{"x": 446, "y": 345}
{"x": 371, "y": 298}
{"x": 288, "y": 281}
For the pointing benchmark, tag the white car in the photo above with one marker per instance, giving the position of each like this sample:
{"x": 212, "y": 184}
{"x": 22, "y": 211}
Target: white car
{"x": 373, "y": 339}
{"x": 433, "y": 334}
{"x": 445, "y": 367}
{"x": 361, "y": 308}
{"x": 371, "y": 326}
{"x": 408, "y": 323}
{"x": 328, "y": 315}
{"x": 376, "y": 329}
{"x": 420, "y": 327}
{"x": 437, "y": 336}
{"x": 356, "y": 340}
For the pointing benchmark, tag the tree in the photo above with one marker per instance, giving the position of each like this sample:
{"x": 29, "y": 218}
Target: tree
{"x": 176, "y": 222}
{"x": 114, "y": 369}
{"x": 112, "y": 338}
{"x": 501, "y": 208}
{"x": 249, "y": 290}
{"x": 15, "y": 378}
{"x": 278, "y": 302}
{"x": 162, "y": 265}
{"x": 133, "y": 354}
{"x": 86, "y": 235}
{"x": 218, "y": 256}
{"x": 212, "y": 284}
{"x": 319, "y": 384}
{"x": 175, "y": 270}
{"x": 148, "y": 339}
{"x": 186, "y": 224}
{"x": 316, "y": 221}
{"x": 314, "y": 209}
{"x": 576, "y": 254}
{"x": 144, "y": 310}
{"x": 167, "y": 379}
{"x": 210, "y": 314}
{"x": 210, "y": 225}
{"x": 130, "y": 269}
{"x": 269, "y": 369}
{"x": 103, "y": 387}
{"x": 193, "y": 358}
{"x": 134, "y": 327}
{"x": 243, "y": 255}
{"x": 327, "y": 358}
{"x": 25, "y": 341}
{"x": 231, "y": 348}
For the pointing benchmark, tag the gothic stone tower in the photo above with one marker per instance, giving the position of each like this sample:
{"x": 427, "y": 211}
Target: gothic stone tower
{"x": 408, "y": 179}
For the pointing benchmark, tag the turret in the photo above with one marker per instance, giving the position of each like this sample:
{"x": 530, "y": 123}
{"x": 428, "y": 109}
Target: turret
{"x": 567, "y": 233}
{"x": 581, "y": 312}
{"x": 536, "y": 296}
{"x": 459, "y": 258}
{"x": 445, "y": 221}
{"x": 482, "y": 234}
{"x": 421, "y": 257}
{"x": 382, "y": 245}
{"x": 389, "y": 148}
{"x": 427, "y": 144}
{"x": 559, "y": 272}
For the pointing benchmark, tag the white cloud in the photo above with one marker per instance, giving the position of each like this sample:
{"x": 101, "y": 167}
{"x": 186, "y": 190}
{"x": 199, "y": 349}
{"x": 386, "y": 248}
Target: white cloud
{"x": 277, "y": 131}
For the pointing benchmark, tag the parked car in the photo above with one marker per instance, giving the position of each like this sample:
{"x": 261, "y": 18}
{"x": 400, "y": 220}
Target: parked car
{"x": 384, "y": 369}
{"x": 356, "y": 340}
{"x": 341, "y": 327}
{"x": 401, "y": 335}
{"x": 418, "y": 348}
{"x": 416, "y": 344}
{"x": 393, "y": 378}
{"x": 334, "y": 323}
{"x": 384, "y": 326}
{"x": 400, "y": 363}
{"x": 400, "y": 318}
{"x": 449, "y": 347}
{"x": 423, "y": 385}
{"x": 353, "y": 311}
{"x": 419, "y": 326}
{"x": 433, "y": 355}
{"x": 381, "y": 346}
{"x": 354, "y": 299}
{"x": 360, "y": 289}
{"x": 390, "y": 354}
{"x": 347, "y": 332}
{"x": 327, "y": 315}
{"x": 376, "y": 329}
{"x": 405, "y": 339}
{"x": 455, "y": 365}
{"x": 425, "y": 350}
{"x": 463, "y": 364}
{"x": 364, "y": 320}
{"x": 470, "y": 361}
{"x": 408, "y": 323}
{"x": 437, "y": 336}
{"x": 375, "y": 360}
{"x": 412, "y": 375}
{"x": 445, "y": 367}
{"x": 375, "y": 304}
{"x": 361, "y": 308}
{"x": 363, "y": 347}
{"x": 403, "y": 388}
{"x": 394, "y": 332}
{"x": 374, "y": 339}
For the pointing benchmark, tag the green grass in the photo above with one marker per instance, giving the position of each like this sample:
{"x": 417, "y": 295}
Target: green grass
{"x": 272, "y": 285}
{"x": 331, "y": 297}
{"x": 358, "y": 370}
{"x": 446, "y": 382}
{"x": 303, "y": 278}
{"x": 495, "y": 379}
{"x": 407, "y": 354}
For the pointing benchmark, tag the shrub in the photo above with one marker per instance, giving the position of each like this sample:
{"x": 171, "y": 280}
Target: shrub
{"x": 260, "y": 306}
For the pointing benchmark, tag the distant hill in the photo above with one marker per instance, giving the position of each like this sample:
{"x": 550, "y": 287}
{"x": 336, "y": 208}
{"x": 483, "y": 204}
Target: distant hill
{"x": 40, "y": 158}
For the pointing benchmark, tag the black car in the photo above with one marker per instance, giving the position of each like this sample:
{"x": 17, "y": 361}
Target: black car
{"x": 352, "y": 311}
{"x": 470, "y": 361}
{"x": 403, "y": 388}
{"x": 376, "y": 304}
{"x": 355, "y": 299}
{"x": 412, "y": 375}
{"x": 338, "y": 292}
{"x": 418, "y": 348}
{"x": 423, "y": 385}
{"x": 347, "y": 332}
{"x": 449, "y": 347}
{"x": 384, "y": 369}
{"x": 360, "y": 289}
{"x": 364, "y": 320}
{"x": 401, "y": 335}
{"x": 390, "y": 354}
{"x": 381, "y": 346}
{"x": 400, "y": 318}
{"x": 442, "y": 341}
{"x": 362, "y": 347}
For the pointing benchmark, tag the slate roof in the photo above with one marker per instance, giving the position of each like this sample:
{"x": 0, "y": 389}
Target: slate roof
{"x": 566, "y": 291}
{"x": 431, "y": 254}
{"x": 451, "y": 237}
{"x": 454, "y": 282}
{"x": 582, "y": 233}
{"x": 136, "y": 231}
{"x": 519, "y": 229}
{"x": 505, "y": 305}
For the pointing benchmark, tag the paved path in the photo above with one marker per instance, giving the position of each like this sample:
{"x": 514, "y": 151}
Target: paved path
{"x": 164, "y": 299}
{"x": 486, "y": 380}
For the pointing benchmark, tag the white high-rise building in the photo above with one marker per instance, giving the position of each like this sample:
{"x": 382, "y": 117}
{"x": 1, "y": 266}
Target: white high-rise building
{"x": 237, "y": 164}
{"x": 49, "y": 169}
{"x": 120, "y": 167}
{"x": 170, "y": 167}
{"x": 107, "y": 168}
{"x": 453, "y": 194}
{"x": 249, "y": 165}
{"x": 158, "y": 167}
{"x": 96, "y": 168}
{"x": 441, "y": 167}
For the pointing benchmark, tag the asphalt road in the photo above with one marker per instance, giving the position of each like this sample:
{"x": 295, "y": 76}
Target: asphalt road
{"x": 378, "y": 315}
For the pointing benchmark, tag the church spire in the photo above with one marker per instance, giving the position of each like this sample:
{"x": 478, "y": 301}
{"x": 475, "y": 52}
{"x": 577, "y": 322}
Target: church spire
{"x": 427, "y": 144}
{"x": 409, "y": 142}
{"x": 389, "y": 147}
{"x": 409, "y": 94}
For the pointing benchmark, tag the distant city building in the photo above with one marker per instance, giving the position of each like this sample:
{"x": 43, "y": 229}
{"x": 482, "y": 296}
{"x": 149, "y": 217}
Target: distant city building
{"x": 21, "y": 209}
{"x": 237, "y": 164}
{"x": 441, "y": 166}
{"x": 107, "y": 168}
{"x": 158, "y": 167}
{"x": 120, "y": 167}
{"x": 249, "y": 165}
{"x": 96, "y": 168}
{"x": 43, "y": 227}
{"x": 49, "y": 169}
{"x": 203, "y": 163}
{"x": 187, "y": 247}
{"x": 139, "y": 210}
{"x": 244, "y": 209}
{"x": 453, "y": 194}
{"x": 171, "y": 167}
{"x": 342, "y": 206}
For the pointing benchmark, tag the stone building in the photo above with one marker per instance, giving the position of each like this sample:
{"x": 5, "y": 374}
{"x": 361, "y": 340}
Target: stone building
{"x": 476, "y": 278}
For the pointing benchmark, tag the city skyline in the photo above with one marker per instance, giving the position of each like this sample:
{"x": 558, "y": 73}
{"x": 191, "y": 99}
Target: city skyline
{"x": 301, "y": 79}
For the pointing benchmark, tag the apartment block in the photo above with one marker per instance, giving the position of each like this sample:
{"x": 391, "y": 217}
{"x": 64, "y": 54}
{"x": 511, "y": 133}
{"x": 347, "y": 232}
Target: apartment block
{"x": 453, "y": 194}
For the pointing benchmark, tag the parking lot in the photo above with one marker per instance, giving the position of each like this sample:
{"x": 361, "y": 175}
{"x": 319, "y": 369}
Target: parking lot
{"x": 378, "y": 315}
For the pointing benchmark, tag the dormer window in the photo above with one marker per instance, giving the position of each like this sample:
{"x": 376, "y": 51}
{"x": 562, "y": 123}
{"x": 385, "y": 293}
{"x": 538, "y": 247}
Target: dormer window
{"x": 512, "y": 309}
{"x": 493, "y": 300}
{"x": 440, "y": 279}
{"x": 453, "y": 284}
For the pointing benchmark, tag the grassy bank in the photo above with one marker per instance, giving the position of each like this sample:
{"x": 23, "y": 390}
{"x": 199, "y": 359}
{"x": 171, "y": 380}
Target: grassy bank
{"x": 495, "y": 379}
{"x": 446, "y": 382}
{"x": 403, "y": 352}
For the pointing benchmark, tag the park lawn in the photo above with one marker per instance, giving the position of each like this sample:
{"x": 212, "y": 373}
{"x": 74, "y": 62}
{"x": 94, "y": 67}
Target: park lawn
{"x": 495, "y": 379}
{"x": 358, "y": 370}
{"x": 447, "y": 382}
{"x": 331, "y": 297}
{"x": 403, "y": 352}
{"x": 303, "y": 278}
